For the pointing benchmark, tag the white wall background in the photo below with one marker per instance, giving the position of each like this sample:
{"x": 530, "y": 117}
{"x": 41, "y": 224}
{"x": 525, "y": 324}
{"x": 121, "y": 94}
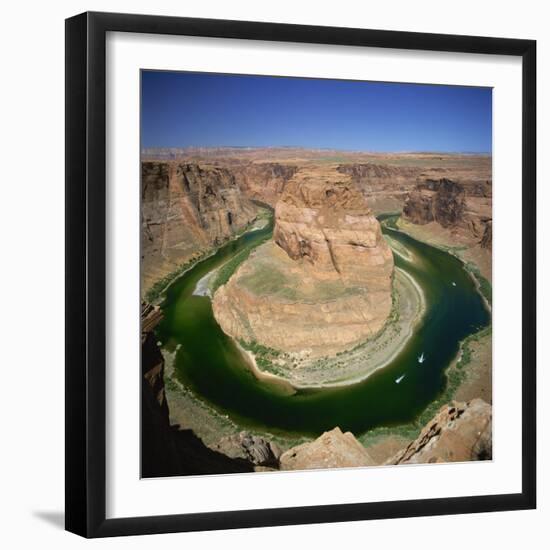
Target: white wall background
{"x": 31, "y": 272}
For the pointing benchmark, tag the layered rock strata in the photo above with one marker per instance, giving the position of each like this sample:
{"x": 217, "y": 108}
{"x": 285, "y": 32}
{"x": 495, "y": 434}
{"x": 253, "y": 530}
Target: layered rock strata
{"x": 265, "y": 182}
{"x": 185, "y": 210}
{"x": 463, "y": 208}
{"x": 333, "y": 449}
{"x": 331, "y": 227}
{"x": 385, "y": 185}
{"x": 442, "y": 201}
{"x": 322, "y": 285}
{"x": 459, "y": 432}
{"x": 252, "y": 448}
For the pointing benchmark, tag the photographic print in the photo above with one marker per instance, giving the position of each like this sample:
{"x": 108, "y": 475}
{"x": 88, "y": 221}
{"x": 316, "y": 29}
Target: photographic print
{"x": 316, "y": 267}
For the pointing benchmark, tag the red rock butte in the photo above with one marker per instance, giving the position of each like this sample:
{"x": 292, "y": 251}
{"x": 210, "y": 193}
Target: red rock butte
{"x": 325, "y": 281}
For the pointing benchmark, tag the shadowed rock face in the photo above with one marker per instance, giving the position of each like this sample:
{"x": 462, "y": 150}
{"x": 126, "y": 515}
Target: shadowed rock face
{"x": 333, "y": 449}
{"x": 369, "y": 172}
{"x": 487, "y": 239}
{"x": 322, "y": 285}
{"x": 185, "y": 210}
{"x": 165, "y": 449}
{"x": 459, "y": 432}
{"x": 449, "y": 203}
{"x": 265, "y": 182}
{"x": 330, "y": 226}
{"x": 385, "y": 185}
{"x": 459, "y": 207}
{"x": 442, "y": 201}
{"x": 250, "y": 447}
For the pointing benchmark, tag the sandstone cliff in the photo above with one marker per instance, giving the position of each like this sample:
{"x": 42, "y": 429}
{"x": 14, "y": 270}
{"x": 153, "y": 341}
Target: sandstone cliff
{"x": 443, "y": 201}
{"x": 386, "y": 186}
{"x": 459, "y": 432}
{"x": 185, "y": 210}
{"x": 487, "y": 239}
{"x": 333, "y": 449}
{"x": 323, "y": 284}
{"x": 329, "y": 225}
{"x": 463, "y": 208}
{"x": 251, "y": 448}
{"x": 265, "y": 182}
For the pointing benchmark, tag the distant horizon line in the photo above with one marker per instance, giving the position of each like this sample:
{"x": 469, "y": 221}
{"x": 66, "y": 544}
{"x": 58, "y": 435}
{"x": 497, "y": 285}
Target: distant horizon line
{"x": 302, "y": 147}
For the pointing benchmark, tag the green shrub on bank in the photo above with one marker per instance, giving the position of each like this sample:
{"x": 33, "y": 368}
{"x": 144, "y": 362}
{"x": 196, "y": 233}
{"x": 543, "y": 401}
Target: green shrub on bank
{"x": 484, "y": 285}
{"x": 159, "y": 286}
{"x": 157, "y": 289}
{"x": 264, "y": 356}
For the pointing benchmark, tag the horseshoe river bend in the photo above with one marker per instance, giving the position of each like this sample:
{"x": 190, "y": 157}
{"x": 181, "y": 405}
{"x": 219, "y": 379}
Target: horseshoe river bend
{"x": 208, "y": 364}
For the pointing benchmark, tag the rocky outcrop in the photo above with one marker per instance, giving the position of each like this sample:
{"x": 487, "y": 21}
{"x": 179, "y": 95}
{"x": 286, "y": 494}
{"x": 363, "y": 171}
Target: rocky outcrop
{"x": 459, "y": 432}
{"x": 330, "y": 226}
{"x": 385, "y": 185}
{"x": 464, "y": 209}
{"x": 442, "y": 201}
{"x": 265, "y": 182}
{"x": 333, "y": 449}
{"x": 152, "y": 361}
{"x": 487, "y": 239}
{"x": 322, "y": 285}
{"x": 165, "y": 449}
{"x": 185, "y": 210}
{"x": 478, "y": 188}
{"x": 369, "y": 173}
{"x": 251, "y": 448}
{"x": 449, "y": 202}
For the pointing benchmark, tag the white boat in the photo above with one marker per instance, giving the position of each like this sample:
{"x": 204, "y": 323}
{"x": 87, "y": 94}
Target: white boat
{"x": 397, "y": 380}
{"x": 421, "y": 358}
{"x": 453, "y": 283}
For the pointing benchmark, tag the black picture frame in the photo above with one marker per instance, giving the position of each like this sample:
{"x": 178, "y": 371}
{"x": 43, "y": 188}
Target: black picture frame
{"x": 86, "y": 284}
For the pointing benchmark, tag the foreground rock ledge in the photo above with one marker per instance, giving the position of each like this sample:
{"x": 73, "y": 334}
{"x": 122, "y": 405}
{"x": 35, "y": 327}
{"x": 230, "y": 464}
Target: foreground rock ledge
{"x": 333, "y": 449}
{"x": 460, "y": 432}
{"x": 323, "y": 284}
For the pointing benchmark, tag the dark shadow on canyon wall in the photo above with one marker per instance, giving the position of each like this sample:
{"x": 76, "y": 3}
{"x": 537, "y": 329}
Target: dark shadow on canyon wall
{"x": 167, "y": 450}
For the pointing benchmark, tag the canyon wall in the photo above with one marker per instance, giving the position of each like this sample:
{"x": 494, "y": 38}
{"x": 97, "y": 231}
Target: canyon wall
{"x": 463, "y": 208}
{"x": 442, "y": 201}
{"x": 459, "y": 432}
{"x": 330, "y": 226}
{"x": 386, "y": 186}
{"x": 185, "y": 210}
{"x": 264, "y": 182}
{"x": 165, "y": 449}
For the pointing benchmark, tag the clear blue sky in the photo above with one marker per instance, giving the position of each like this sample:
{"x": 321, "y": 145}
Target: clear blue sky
{"x": 196, "y": 109}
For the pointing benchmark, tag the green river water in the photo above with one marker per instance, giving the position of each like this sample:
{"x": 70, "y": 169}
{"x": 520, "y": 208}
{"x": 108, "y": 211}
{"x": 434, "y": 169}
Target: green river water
{"x": 208, "y": 362}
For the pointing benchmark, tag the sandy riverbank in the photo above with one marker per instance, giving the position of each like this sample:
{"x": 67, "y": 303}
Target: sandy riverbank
{"x": 154, "y": 292}
{"x": 465, "y": 249}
